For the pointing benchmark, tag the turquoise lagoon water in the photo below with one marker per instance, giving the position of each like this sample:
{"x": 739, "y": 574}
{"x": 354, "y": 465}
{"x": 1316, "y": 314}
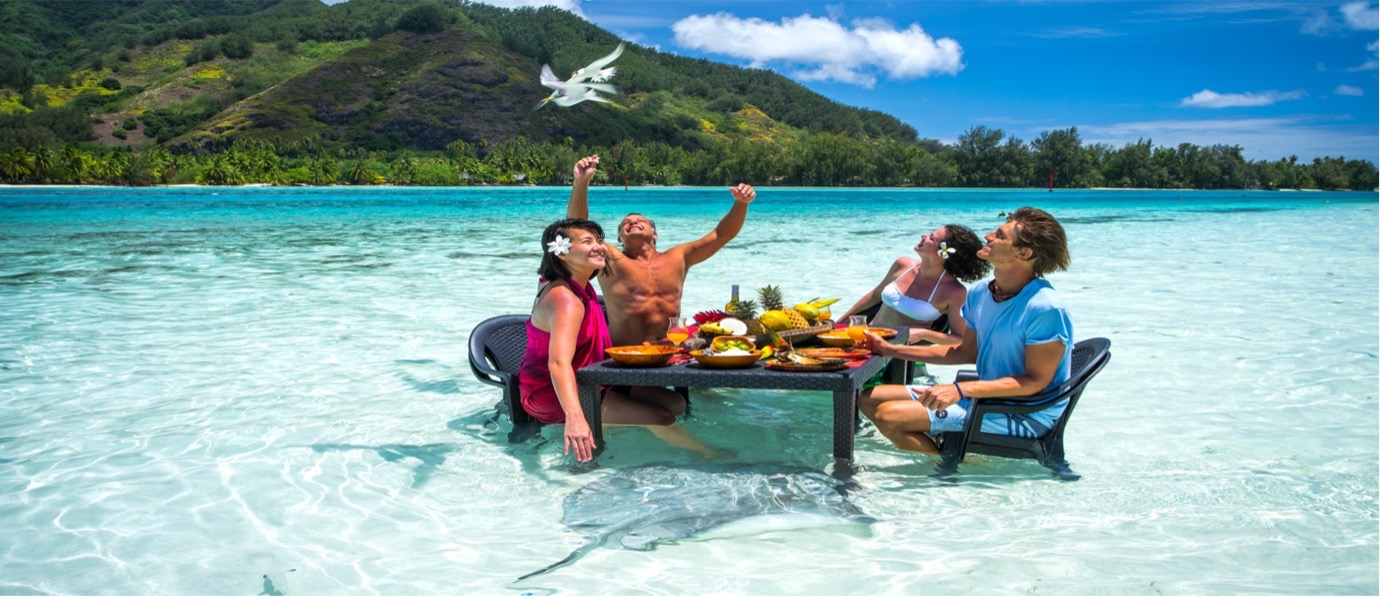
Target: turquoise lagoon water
{"x": 245, "y": 391}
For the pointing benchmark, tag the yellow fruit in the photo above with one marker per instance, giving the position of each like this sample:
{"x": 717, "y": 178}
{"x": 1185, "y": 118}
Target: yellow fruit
{"x": 713, "y": 330}
{"x": 795, "y": 319}
{"x": 807, "y": 310}
{"x": 766, "y": 353}
{"x": 776, "y": 319}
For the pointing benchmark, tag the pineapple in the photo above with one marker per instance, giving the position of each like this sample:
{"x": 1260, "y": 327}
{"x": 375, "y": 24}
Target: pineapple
{"x": 747, "y": 311}
{"x": 772, "y": 300}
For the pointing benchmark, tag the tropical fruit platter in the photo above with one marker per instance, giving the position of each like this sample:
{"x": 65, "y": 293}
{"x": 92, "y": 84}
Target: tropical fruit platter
{"x": 770, "y": 313}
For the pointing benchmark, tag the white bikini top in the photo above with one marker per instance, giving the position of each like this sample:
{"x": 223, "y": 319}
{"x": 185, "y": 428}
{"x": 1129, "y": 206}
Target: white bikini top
{"x": 918, "y": 309}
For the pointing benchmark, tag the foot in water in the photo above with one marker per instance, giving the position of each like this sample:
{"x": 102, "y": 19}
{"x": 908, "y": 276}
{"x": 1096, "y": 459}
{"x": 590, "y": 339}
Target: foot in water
{"x": 717, "y": 454}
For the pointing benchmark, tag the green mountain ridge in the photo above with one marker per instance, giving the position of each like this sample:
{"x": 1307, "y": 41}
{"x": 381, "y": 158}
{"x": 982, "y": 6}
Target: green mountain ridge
{"x": 443, "y": 92}
{"x": 475, "y": 80}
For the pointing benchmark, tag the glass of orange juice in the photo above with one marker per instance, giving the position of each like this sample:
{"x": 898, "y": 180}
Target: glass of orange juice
{"x": 677, "y": 330}
{"x": 856, "y": 329}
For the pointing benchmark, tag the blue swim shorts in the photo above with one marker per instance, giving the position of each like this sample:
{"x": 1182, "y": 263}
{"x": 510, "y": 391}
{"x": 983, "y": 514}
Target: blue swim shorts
{"x": 953, "y": 419}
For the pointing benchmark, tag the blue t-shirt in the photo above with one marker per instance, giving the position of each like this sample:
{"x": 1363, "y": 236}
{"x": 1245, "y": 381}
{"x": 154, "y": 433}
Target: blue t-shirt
{"x": 1035, "y": 316}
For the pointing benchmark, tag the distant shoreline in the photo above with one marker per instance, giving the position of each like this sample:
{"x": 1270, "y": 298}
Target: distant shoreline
{"x": 642, "y": 187}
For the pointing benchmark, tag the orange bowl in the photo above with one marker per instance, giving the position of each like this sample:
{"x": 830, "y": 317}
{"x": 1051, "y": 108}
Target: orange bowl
{"x": 725, "y": 362}
{"x": 642, "y": 356}
{"x": 748, "y": 340}
{"x": 836, "y": 338}
{"x": 839, "y": 338}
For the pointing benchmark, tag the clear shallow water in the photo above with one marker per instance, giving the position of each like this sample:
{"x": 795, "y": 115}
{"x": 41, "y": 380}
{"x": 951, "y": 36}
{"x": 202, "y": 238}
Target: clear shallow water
{"x": 199, "y": 388}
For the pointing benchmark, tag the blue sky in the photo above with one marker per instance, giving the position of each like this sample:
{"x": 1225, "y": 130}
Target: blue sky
{"x": 1277, "y": 78}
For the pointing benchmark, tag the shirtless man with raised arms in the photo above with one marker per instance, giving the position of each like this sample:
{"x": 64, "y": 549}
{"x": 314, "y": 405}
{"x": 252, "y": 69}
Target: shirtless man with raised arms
{"x": 643, "y": 286}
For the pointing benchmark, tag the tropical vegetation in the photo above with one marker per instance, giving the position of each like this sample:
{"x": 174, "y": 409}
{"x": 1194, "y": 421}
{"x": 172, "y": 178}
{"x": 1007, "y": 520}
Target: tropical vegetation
{"x": 426, "y": 92}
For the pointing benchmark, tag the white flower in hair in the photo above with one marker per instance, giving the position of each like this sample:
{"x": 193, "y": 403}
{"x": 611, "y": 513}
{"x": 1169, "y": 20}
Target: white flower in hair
{"x": 945, "y": 251}
{"x": 560, "y": 246}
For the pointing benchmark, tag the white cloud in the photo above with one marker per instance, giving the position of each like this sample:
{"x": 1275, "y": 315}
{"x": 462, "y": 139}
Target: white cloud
{"x": 1210, "y": 99}
{"x": 1349, "y": 90}
{"x": 1318, "y": 22}
{"x": 1354, "y": 16}
{"x": 1077, "y": 32}
{"x": 1359, "y": 16}
{"x": 822, "y": 49}
{"x": 1368, "y": 65}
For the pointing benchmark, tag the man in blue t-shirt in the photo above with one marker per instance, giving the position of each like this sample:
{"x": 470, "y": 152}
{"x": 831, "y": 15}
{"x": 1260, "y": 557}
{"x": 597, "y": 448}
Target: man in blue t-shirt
{"x": 1019, "y": 336}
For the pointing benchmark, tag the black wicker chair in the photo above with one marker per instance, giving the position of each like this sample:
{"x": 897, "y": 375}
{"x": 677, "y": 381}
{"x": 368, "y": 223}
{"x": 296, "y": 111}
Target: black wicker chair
{"x": 496, "y": 350}
{"x": 1088, "y": 359}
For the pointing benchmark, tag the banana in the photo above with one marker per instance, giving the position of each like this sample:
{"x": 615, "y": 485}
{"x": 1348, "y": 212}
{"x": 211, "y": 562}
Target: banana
{"x": 820, "y": 303}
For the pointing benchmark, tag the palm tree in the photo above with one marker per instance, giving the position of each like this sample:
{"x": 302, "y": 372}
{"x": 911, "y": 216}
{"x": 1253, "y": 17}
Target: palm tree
{"x": 405, "y": 170}
{"x": 17, "y": 165}
{"x": 359, "y": 173}
{"x": 45, "y": 160}
{"x": 220, "y": 171}
{"x": 322, "y": 171}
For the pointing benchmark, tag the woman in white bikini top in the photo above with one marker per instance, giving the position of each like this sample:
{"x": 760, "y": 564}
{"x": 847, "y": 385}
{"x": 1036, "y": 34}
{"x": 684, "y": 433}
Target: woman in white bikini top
{"x": 916, "y": 292}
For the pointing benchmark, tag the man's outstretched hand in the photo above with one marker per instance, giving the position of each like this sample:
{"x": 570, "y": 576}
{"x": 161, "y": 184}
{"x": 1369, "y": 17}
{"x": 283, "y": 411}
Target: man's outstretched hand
{"x": 586, "y": 168}
{"x": 742, "y": 193}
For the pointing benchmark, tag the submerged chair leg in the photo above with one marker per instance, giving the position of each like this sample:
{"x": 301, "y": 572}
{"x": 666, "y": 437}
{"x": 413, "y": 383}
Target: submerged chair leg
{"x": 952, "y": 454}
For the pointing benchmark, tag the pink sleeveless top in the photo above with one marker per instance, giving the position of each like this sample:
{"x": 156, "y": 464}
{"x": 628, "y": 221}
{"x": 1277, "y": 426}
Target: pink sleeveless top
{"x": 536, "y": 392}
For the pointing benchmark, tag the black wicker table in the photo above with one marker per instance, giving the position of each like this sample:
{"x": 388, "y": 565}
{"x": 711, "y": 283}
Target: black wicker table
{"x": 844, "y": 385}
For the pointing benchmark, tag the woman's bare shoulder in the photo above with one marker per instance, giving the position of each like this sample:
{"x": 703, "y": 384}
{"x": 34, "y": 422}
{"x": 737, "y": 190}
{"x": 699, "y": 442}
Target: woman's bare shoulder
{"x": 902, "y": 263}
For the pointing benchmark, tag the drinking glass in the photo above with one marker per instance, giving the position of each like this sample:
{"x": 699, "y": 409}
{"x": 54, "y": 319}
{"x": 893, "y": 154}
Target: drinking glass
{"x": 677, "y": 330}
{"x": 856, "y": 329}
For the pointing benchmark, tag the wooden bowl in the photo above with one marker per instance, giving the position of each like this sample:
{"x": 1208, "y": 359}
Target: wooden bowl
{"x": 747, "y": 339}
{"x": 642, "y": 356}
{"x": 839, "y": 338}
{"x": 836, "y": 338}
{"x": 725, "y": 362}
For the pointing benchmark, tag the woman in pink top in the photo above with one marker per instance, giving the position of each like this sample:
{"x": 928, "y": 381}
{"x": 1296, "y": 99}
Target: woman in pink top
{"x": 567, "y": 331}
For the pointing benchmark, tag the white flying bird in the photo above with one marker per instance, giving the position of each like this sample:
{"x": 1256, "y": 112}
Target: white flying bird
{"x": 593, "y": 72}
{"x": 584, "y": 83}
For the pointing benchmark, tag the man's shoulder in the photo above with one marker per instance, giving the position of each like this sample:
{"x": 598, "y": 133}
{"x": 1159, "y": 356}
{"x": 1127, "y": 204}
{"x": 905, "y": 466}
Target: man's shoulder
{"x": 1046, "y": 297}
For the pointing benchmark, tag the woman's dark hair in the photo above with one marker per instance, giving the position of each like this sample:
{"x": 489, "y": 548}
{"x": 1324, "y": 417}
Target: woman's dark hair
{"x": 1039, "y": 231}
{"x": 964, "y": 265}
{"x": 553, "y": 268}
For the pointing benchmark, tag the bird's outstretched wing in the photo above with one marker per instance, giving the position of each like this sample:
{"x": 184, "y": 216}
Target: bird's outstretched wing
{"x": 583, "y": 85}
{"x": 601, "y": 87}
{"x": 594, "y": 97}
{"x": 593, "y": 72}
{"x": 548, "y": 79}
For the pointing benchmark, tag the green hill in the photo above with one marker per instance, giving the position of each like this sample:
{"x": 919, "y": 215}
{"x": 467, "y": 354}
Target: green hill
{"x": 213, "y": 72}
{"x": 443, "y": 92}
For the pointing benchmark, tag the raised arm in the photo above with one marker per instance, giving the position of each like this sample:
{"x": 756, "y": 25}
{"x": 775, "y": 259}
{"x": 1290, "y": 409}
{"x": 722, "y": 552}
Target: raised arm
{"x": 581, "y": 179}
{"x": 702, "y": 249}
